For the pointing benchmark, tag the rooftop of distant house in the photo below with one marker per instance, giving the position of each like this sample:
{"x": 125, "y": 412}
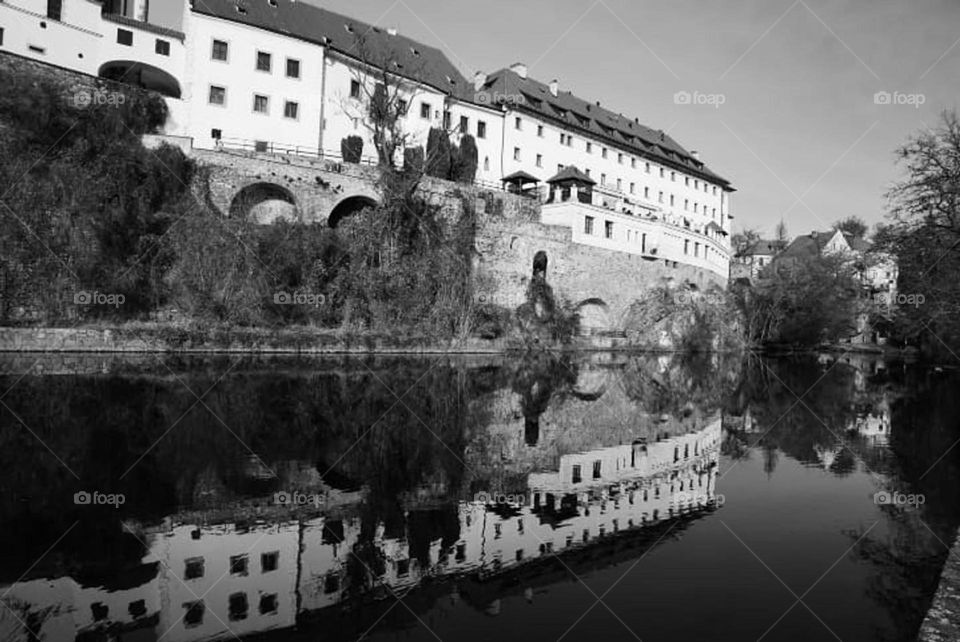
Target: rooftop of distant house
{"x": 814, "y": 243}
{"x": 763, "y": 247}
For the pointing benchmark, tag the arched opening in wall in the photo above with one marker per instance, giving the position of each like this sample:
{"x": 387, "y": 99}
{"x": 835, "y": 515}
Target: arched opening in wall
{"x": 141, "y": 75}
{"x": 594, "y": 317}
{"x": 264, "y": 203}
{"x": 348, "y": 207}
{"x": 540, "y": 265}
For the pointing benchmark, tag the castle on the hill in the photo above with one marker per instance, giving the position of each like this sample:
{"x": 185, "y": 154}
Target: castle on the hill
{"x": 284, "y": 76}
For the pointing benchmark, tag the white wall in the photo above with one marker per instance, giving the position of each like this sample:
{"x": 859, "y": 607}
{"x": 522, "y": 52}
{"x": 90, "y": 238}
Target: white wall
{"x": 239, "y": 76}
{"x": 636, "y": 182}
{"x": 73, "y": 43}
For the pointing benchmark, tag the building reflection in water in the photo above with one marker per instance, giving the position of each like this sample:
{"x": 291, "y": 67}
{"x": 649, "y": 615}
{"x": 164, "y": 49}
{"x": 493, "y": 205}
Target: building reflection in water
{"x": 243, "y": 576}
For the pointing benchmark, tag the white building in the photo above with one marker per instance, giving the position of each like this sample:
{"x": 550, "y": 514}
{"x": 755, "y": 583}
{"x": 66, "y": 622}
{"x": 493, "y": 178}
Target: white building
{"x": 290, "y": 77}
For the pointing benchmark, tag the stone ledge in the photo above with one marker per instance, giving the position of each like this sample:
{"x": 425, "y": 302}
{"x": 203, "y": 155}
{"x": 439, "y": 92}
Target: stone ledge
{"x": 942, "y": 623}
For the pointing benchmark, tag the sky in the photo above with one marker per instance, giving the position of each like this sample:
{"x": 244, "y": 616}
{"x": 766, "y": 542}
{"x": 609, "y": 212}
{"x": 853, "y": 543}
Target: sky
{"x": 783, "y": 93}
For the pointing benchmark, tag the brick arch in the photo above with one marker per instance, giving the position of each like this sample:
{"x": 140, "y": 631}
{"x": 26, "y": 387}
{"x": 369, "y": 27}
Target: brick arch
{"x": 595, "y": 316}
{"x": 266, "y": 201}
{"x": 349, "y": 206}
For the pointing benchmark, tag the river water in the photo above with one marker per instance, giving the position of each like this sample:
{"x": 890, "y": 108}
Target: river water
{"x": 582, "y": 497}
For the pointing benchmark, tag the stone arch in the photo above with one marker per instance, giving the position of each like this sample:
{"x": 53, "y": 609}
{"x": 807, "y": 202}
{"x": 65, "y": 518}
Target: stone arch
{"x": 348, "y": 207}
{"x": 264, "y": 203}
{"x": 140, "y": 74}
{"x": 594, "y": 317}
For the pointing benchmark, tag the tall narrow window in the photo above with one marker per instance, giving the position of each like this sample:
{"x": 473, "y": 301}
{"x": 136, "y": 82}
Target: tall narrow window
{"x": 291, "y": 110}
{"x": 54, "y": 9}
{"x": 264, "y": 61}
{"x": 293, "y": 68}
{"x": 261, "y": 104}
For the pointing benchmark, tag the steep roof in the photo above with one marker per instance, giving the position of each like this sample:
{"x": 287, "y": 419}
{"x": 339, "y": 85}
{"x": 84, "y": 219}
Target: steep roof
{"x": 621, "y": 132}
{"x": 571, "y": 173}
{"x": 763, "y": 248}
{"x": 814, "y": 244}
{"x": 345, "y": 35}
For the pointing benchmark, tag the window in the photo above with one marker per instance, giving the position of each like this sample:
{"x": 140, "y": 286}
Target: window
{"x": 589, "y": 148}
{"x": 607, "y": 232}
{"x": 663, "y": 173}
{"x": 239, "y": 564}
{"x": 261, "y": 104}
{"x": 686, "y": 181}
{"x": 355, "y": 89}
{"x": 577, "y": 474}
{"x": 620, "y": 158}
{"x": 696, "y": 249}
{"x": 293, "y": 68}
{"x": 1, "y": 36}
{"x": 291, "y": 110}
{"x": 633, "y": 163}
{"x": 193, "y": 568}
{"x": 125, "y": 37}
{"x": 633, "y": 188}
{"x": 686, "y": 250}
{"x": 605, "y": 152}
{"x": 220, "y": 49}
{"x": 268, "y": 604}
{"x": 646, "y": 192}
{"x": 588, "y": 225}
{"x": 486, "y": 163}
{"x": 447, "y": 120}
{"x": 402, "y": 107}
{"x": 540, "y": 131}
{"x": 425, "y": 111}
{"x": 481, "y": 129}
{"x": 137, "y": 608}
{"x": 619, "y": 184}
{"x": 696, "y": 184}
{"x": 162, "y": 47}
{"x": 539, "y": 160}
{"x": 516, "y": 153}
{"x": 603, "y": 179}
{"x": 264, "y": 61}
{"x": 464, "y": 124}
{"x": 54, "y": 9}
{"x": 647, "y": 168}
{"x": 269, "y": 561}
{"x": 673, "y": 177}
{"x": 194, "y": 615}
{"x": 518, "y": 123}
{"x": 218, "y": 95}
{"x": 660, "y": 197}
{"x": 216, "y": 134}
{"x": 596, "y": 469}
{"x": 238, "y": 606}
{"x": 686, "y": 204}
{"x": 569, "y": 140}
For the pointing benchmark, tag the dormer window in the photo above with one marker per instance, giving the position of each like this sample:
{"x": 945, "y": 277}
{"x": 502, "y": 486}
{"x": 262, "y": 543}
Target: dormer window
{"x": 414, "y": 51}
{"x": 348, "y": 28}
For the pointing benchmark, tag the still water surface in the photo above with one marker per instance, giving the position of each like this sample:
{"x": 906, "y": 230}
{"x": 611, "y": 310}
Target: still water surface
{"x": 601, "y": 497}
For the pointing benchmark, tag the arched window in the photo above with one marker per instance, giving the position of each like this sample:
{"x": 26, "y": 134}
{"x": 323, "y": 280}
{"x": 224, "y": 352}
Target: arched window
{"x": 540, "y": 265}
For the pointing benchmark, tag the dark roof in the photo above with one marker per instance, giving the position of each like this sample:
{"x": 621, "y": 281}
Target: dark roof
{"x": 857, "y": 244}
{"x": 520, "y": 176}
{"x": 571, "y": 173}
{"x": 763, "y": 248}
{"x": 576, "y": 113}
{"x": 809, "y": 245}
{"x": 347, "y": 36}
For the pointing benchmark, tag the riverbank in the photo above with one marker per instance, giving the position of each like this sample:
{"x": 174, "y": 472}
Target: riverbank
{"x": 942, "y": 623}
{"x": 161, "y": 339}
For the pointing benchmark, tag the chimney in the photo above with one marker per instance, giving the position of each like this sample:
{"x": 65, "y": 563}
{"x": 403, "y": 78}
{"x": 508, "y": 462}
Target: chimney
{"x": 520, "y": 69}
{"x": 554, "y": 86}
{"x": 479, "y": 80}
{"x": 694, "y": 154}
{"x": 814, "y": 234}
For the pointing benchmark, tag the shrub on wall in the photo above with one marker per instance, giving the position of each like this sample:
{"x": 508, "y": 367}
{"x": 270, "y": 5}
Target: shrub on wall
{"x": 468, "y": 159}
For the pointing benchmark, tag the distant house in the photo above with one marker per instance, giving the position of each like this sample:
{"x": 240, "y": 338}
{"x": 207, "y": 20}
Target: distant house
{"x": 877, "y": 272}
{"x": 750, "y": 260}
